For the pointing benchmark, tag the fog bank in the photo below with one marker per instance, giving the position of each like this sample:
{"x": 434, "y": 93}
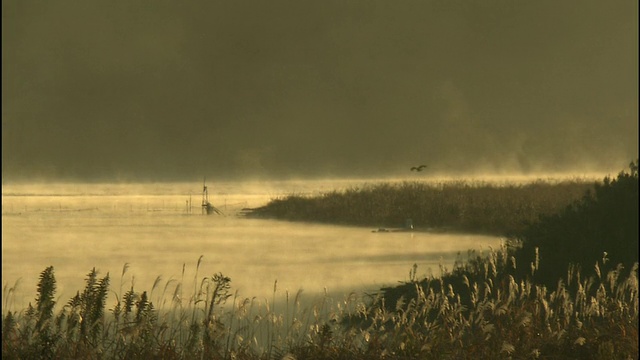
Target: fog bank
{"x": 280, "y": 89}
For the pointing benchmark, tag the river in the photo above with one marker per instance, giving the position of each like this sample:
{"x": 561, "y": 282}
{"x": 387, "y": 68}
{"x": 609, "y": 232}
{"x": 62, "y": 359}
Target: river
{"x": 158, "y": 234}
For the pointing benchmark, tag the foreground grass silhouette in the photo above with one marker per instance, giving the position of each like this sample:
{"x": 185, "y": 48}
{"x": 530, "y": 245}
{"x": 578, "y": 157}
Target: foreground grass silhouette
{"x": 489, "y": 314}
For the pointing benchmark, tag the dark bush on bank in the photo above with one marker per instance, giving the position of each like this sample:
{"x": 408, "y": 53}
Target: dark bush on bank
{"x": 603, "y": 225}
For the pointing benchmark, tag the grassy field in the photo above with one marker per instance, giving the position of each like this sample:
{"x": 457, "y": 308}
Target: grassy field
{"x": 459, "y": 206}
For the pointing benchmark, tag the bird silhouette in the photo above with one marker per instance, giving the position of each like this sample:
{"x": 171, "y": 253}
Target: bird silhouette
{"x": 418, "y": 168}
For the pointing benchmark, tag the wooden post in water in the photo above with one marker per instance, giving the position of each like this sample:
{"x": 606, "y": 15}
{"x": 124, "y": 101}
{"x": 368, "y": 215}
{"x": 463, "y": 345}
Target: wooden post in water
{"x": 205, "y": 197}
{"x": 207, "y": 208}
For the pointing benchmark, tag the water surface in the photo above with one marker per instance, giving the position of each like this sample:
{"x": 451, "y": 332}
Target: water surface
{"x": 151, "y": 228}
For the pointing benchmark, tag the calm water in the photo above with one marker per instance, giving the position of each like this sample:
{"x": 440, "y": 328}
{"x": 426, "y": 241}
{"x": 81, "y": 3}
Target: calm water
{"x": 149, "y": 227}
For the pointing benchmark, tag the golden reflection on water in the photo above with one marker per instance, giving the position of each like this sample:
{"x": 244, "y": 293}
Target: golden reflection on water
{"x": 75, "y": 228}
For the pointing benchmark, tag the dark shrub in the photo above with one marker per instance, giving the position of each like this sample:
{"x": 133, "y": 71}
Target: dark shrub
{"x": 602, "y": 226}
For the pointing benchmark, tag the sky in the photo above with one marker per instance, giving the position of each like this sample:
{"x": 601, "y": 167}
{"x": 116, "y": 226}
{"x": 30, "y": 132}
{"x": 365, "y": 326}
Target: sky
{"x": 252, "y": 89}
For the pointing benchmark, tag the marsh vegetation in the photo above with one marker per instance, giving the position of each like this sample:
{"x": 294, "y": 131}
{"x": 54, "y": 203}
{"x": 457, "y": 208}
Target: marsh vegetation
{"x": 461, "y": 206}
{"x": 518, "y": 301}
{"x": 489, "y": 314}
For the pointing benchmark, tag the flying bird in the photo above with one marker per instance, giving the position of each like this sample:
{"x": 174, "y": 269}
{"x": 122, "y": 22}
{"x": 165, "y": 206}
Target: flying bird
{"x": 418, "y": 168}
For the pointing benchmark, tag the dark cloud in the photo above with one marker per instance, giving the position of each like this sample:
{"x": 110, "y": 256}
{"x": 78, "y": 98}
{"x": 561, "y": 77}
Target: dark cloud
{"x": 173, "y": 90}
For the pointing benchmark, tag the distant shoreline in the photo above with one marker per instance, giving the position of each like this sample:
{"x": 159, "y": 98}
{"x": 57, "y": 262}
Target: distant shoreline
{"x": 467, "y": 207}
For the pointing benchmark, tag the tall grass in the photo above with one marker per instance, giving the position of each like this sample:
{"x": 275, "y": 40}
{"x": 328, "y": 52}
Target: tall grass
{"x": 481, "y": 311}
{"x": 473, "y": 207}
{"x": 476, "y": 310}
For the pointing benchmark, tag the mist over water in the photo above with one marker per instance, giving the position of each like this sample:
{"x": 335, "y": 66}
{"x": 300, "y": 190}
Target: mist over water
{"x": 126, "y": 101}
{"x": 149, "y": 227}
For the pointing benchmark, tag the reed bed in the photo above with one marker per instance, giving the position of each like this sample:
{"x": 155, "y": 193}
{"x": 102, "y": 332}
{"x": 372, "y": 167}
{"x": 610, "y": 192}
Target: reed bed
{"x": 492, "y": 305}
{"x": 477, "y": 207}
{"x": 476, "y": 310}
